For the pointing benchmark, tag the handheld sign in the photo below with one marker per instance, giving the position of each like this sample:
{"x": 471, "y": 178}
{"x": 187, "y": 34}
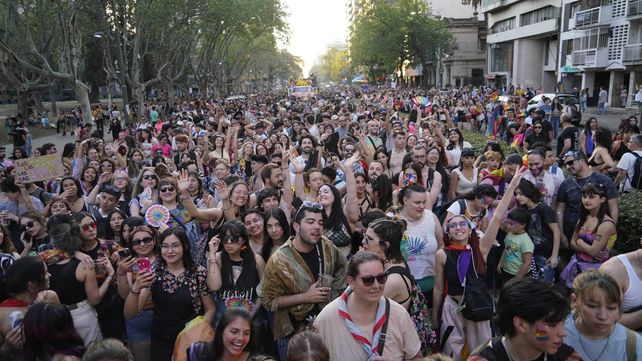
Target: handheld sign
{"x": 38, "y": 169}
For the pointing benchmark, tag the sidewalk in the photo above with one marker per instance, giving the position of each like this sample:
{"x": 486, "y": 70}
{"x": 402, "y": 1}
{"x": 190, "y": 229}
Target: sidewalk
{"x": 56, "y": 139}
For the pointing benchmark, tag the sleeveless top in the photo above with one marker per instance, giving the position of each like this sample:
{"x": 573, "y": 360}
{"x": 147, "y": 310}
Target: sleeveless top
{"x": 464, "y": 185}
{"x": 239, "y": 283}
{"x": 632, "y": 298}
{"x": 589, "y": 237}
{"x": 63, "y": 281}
{"x": 340, "y": 235}
{"x": 422, "y": 246}
{"x": 452, "y": 277}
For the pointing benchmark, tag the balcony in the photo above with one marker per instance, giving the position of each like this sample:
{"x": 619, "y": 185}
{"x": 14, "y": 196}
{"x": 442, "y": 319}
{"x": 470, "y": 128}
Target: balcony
{"x": 587, "y": 17}
{"x": 632, "y": 54}
{"x": 590, "y": 58}
{"x": 635, "y": 9}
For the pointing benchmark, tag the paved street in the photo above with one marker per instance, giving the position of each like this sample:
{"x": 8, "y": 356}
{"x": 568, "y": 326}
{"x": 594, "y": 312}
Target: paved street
{"x": 56, "y": 139}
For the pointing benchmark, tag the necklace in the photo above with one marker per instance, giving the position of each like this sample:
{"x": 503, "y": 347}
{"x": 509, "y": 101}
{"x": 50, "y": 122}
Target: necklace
{"x": 321, "y": 270}
{"x": 608, "y": 339}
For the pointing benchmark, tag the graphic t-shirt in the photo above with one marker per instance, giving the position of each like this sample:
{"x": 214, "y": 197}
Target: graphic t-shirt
{"x": 515, "y": 247}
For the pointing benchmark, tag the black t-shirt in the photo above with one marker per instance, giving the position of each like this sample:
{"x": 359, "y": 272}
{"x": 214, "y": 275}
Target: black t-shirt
{"x": 494, "y": 350}
{"x": 18, "y": 133}
{"x": 539, "y": 231}
{"x": 509, "y": 135}
{"x": 533, "y": 138}
{"x": 314, "y": 260}
{"x": 568, "y": 133}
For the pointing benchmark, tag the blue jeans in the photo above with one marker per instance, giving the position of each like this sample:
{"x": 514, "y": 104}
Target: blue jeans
{"x": 555, "y": 123}
{"x": 541, "y": 270}
{"x": 600, "y": 108}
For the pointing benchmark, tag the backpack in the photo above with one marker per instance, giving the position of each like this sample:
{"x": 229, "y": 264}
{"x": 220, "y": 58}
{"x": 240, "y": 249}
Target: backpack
{"x": 418, "y": 311}
{"x": 636, "y": 181}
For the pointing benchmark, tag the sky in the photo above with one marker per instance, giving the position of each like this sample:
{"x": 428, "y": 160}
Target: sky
{"x": 313, "y": 26}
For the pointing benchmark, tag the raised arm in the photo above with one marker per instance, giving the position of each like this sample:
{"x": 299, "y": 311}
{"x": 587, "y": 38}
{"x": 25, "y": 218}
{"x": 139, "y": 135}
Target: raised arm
{"x": 351, "y": 208}
{"x": 212, "y": 214}
{"x": 490, "y": 234}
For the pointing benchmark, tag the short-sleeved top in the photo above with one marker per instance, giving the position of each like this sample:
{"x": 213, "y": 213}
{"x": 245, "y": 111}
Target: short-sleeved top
{"x": 547, "y": 183}
{"x": 627, "y": 163}
{"x": 402, "y": 341}
{"x": 539, "y": 230}
{"x": 612, "y": 348}
{"x": 515, "y": 247}
{"x": 570, "y": 193}
{"x": 571, "y": 133}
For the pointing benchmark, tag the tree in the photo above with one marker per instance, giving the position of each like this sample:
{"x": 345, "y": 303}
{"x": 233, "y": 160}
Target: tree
{"x": 388, "y": 35}
{"x": 334, "y": 65}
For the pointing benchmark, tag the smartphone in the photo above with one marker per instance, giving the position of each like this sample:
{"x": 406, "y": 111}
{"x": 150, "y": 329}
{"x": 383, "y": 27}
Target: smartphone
{"x": 144, "y": 264}
{"x": 124, "y": 253}
{"x": 15, "y": 319}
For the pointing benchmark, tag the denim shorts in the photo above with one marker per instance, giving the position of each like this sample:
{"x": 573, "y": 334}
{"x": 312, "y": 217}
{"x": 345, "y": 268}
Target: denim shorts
{"x": 139, "y": 328}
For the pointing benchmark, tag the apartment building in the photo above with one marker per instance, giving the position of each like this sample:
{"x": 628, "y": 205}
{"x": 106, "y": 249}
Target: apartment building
{"x": 522, "y": 42}
{"x": 601, "y": 47}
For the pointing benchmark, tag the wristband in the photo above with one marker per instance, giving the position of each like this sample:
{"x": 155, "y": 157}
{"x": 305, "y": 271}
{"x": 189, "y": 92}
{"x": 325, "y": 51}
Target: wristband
{"x": 134, "y": 293}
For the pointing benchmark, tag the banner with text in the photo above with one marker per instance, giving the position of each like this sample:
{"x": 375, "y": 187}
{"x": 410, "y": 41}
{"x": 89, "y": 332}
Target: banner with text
{"x": 39, "y": 168}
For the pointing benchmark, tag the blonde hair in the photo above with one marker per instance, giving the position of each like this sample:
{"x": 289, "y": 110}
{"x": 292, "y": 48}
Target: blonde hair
{"x": 586, "y": 283}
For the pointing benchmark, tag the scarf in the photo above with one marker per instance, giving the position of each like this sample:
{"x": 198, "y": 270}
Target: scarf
{"x": 463, "y": 261}
{"x": 355, "y": 331}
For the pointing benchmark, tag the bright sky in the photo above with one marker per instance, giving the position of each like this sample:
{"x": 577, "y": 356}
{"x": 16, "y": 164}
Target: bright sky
{"x": 313, "y": 26}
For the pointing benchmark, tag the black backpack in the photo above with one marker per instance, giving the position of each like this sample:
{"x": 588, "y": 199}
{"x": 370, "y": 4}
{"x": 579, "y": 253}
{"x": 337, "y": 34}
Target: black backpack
{"x": 636, "y": 181}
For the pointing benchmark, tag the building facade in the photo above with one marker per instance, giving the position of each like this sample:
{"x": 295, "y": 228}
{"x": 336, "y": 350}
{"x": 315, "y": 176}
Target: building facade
{"x": 601, "y": 47}
{"x": 522, "y": 42}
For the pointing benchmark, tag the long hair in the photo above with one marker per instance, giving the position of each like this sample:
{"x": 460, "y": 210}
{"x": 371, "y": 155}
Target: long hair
{"x": 391, "y": 231}
{"x": 76, "y": 182}
{"x": 215, "y": 350}
{"x": 236, "y": 228}
{"x": 460, "y": 143}
{"x": 179, "y": 232}
{"x": 279, "y": 215}
{"x": 599, "y": 190}
{"x": 22, "y": 271}
{"x": 138, "y": 189}
{"x": 64, "y": 232}
{"x": 109, "y": 233}
{"x": 49, "y": 329}
{"x": 473, "y": 241}
{"x": 336, "y": 217}
{"x": 603, "y": 137}
{"x": 307, "y": 346}
{"x": 382, "y": 186}
{"x": 7, "y": 245}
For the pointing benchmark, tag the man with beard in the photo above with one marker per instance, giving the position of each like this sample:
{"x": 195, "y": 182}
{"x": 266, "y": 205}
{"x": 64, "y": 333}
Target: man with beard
{"x": 278, "y": 179}
{"x": 537, "y": 174}
{"x": 569, "y": 195}
{"x": 308, "y": 156}
{"x": 292, "y": 285}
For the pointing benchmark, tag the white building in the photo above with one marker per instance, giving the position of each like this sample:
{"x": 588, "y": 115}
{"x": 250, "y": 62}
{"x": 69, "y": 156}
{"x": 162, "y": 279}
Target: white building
{"x": 601, "y": 46}
{"x": 522, "y": 42}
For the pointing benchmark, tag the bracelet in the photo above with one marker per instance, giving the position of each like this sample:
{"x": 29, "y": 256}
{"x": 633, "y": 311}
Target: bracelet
{"x": 134, "y": 293}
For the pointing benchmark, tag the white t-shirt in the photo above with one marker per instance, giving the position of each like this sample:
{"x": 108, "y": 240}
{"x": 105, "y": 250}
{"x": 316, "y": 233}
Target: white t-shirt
{"x": 627, "y": 163}
{"x": 422, "y": 246}
{"x": 455, "y": 153}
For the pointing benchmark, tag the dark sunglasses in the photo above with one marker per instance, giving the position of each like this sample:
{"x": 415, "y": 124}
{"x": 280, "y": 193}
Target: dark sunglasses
{"x": 570, "y": 162}
{"x": 29, "y": 224}
{"x": 369, "y": 280}
{"x": 148, "y": 176}
{"x": 231, "y": 239}
{"x": 141, "y": 241}
{"x": 89, "y": 226}
{"x": 167, "y": 189}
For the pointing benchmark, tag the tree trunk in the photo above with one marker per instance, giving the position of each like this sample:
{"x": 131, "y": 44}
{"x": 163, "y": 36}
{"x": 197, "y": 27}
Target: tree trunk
{"x": 37, "y": 102}
{"x": 94, "y": 93}
{"x": 140, "y": 97}
{"x": 22, "y": 104}
{"x": 82, "y": 92}
{"x": 52, "y": 102}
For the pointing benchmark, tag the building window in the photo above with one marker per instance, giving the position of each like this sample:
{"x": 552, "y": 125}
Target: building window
{"x": 501, "y": 55}
{"x": 539, "y": 15}
{"x": 503, "y": 25}
{"x": 592, "y": 39}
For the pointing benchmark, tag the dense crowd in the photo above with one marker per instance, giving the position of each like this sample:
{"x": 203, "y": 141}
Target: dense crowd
{"x": 353, "y": 225}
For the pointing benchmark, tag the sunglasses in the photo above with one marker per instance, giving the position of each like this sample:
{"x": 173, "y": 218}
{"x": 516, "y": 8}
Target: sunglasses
{"x": 460, "y": 224}
{"x": 89, "y": 226}
{"x": 167, "y": 189}
{"x": 309, "y": 205}
{"x": 369, "y": 280}
{"x": 570, "y": 162}
{"x": 231, "y": 239}
{"x": 29, "y": 224}
{"x": 142, "y": 241}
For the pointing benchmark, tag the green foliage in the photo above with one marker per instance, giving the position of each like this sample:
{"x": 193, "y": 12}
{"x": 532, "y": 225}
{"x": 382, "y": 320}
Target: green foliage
{"x": 334, "y": 65}
{"x": 388, "y": 35}
{"x": 629, "y": 222}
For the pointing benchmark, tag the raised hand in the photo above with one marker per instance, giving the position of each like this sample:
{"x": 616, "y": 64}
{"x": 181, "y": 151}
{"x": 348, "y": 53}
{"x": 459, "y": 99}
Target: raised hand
{"x": 183, "y": 180}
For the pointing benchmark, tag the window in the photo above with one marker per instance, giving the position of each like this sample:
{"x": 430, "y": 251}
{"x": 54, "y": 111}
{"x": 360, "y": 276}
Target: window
{"x": 503, "y": 25}
{"x": 501, "y": 57}
{"x": 592, "y": 39}
{"x": 539, "y": 15}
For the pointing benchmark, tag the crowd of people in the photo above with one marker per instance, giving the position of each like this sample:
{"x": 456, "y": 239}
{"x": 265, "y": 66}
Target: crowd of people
{"x": 353, "y": 225}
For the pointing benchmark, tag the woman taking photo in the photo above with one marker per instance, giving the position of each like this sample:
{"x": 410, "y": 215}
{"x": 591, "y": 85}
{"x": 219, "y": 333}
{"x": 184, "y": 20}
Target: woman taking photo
{"x": 139, "y": 328}
{"x": 593, "y": 329}
{"x": 587, "y": 137}
{"x": 463, "y": 258}
{"x": 235, "y": 271}
{"x": 75, "y": 282}
{"x": 594, "y": 234}
{"x": 277, "y": 230}
{"x": 177, "y": 289}
{"x": 232, "y": 341}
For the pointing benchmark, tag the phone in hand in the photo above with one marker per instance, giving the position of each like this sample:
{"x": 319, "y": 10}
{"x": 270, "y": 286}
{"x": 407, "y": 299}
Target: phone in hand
{"x": 124, "y": 253}
{"x": 144, "y": 265}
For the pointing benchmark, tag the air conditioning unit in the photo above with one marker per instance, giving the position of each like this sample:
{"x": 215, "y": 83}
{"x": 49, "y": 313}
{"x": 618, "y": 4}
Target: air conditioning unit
{"x": 494, "y": 46}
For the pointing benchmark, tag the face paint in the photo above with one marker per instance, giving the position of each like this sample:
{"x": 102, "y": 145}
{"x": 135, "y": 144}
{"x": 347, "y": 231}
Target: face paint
{"x": 541, "y": 333}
